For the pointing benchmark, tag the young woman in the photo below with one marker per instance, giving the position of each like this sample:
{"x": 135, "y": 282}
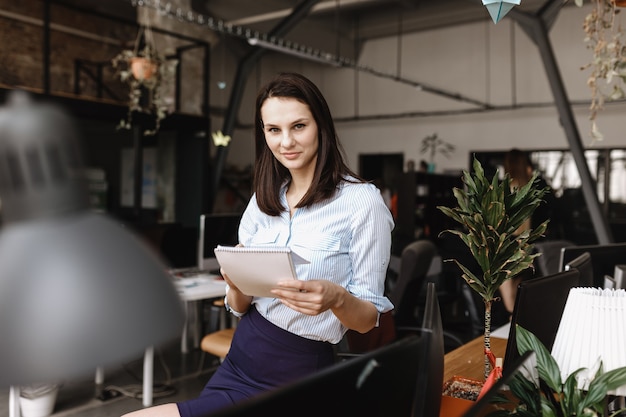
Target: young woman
{"x": 305, "y": 197}
{"x": 519, "y": 166}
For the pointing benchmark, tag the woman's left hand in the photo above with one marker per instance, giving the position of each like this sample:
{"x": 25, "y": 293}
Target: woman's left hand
{"x": 310, "y": 297}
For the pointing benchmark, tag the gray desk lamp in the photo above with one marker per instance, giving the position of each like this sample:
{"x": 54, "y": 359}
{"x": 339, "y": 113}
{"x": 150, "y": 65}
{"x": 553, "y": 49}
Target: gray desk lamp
{"x": 77, "y": 290}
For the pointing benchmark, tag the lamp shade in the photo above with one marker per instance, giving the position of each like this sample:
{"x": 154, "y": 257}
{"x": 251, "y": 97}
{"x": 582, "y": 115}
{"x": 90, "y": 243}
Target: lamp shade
{"x": 499, "y": 8}
{"x": 77, "y": 289}
{"x": 592, "y": 329}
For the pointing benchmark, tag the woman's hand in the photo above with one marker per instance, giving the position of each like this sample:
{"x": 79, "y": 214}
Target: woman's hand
{"x": 310, "y": 297}
{"x": 228, "y": 281}
{"x": 237, "y": 300}
{"x": 316, "y": 296}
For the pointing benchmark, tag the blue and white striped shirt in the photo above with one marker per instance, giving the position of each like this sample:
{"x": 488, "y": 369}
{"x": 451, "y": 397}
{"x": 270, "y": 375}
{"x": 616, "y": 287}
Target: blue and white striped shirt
{"x": 347, "y": 240}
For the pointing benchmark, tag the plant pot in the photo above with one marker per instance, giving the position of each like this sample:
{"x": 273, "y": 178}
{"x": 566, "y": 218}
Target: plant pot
{"x": 39, "y": 401}
{"x": 142, "y": 68}
{"x": 459, "y": 395}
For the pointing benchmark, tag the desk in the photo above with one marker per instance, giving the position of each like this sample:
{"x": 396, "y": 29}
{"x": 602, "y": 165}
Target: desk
{"x": 469, "y": 360}
{"x": 192, "y": 290}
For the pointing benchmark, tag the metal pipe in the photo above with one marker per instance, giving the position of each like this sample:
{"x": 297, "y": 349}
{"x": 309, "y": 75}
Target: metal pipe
{"x": 536, "y": 29}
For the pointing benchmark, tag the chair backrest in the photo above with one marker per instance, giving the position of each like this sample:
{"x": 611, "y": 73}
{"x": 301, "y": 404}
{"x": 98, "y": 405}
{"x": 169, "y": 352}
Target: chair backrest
{"x": 539, "y": 305}
{"x": 604, "y": 257}
{"x": 414, "y": 265}
{"x": 549, "y": 261}
{"x": 585, "y": 268}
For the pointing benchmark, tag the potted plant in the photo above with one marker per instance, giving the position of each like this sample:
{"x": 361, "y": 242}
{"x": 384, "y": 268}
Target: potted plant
{"x": 552, "y": 396}
{"x": 149, "y": 76}
{"x": 603, "y": 36}
{"x": 432, "y": 144}
{"x": 490, "y": 213}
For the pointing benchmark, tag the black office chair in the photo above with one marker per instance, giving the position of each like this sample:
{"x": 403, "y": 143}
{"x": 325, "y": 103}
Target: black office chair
{"x": 415, "y": 262}
{"x": 406, "y": 318}
{"x": 550, "y": 260}
{"x": 452, "y": 247}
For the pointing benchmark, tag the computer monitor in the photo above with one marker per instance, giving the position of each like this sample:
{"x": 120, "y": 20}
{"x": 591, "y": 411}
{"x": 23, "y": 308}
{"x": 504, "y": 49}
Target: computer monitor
{"x": 379, "y": 383}
{"x": 539, "y": 305}
{"x": 585, "y": 268}
{"x": 216, "y": 229}
{"x": 429, "y": 383}
{"x": 603, "y": 259}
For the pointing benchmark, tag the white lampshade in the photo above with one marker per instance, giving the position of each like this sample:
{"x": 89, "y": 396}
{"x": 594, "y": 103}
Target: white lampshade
{"x": 77, "y": 290}
{"x": 592, "y": 328}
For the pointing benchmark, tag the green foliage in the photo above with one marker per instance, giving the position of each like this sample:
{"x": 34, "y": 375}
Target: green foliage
{"x": 557, "y": 397}
{"x": 490, "y": 213}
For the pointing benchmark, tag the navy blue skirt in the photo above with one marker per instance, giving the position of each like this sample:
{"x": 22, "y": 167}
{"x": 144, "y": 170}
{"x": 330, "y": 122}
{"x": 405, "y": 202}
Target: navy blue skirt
{"x": 262, "y": 356}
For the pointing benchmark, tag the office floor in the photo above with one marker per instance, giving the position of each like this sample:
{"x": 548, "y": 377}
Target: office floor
{"x": 177, "y": 376}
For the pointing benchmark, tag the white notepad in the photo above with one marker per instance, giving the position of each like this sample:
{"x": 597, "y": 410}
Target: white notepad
{"x": 256, "y": 270}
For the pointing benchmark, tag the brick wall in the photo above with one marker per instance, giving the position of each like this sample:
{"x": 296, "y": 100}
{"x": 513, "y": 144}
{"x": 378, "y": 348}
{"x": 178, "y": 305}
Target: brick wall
{"x": 76, "y": 35}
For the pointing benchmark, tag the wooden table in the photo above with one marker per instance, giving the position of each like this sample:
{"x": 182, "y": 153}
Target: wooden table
{"x": 469, "y": 360}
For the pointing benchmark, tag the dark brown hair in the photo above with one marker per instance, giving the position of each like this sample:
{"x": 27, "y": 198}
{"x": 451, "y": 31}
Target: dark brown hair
{"x": 330, "y": 168}
{"x": 516, "y": 164}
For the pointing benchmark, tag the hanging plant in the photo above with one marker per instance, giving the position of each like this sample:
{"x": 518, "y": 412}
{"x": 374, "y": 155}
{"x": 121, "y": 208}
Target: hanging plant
{"x": 603, "y": 36}
{"x": 149, "y": 76}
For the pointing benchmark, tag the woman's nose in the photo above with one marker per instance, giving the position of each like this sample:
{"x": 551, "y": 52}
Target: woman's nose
{"x": 287, "y": 139}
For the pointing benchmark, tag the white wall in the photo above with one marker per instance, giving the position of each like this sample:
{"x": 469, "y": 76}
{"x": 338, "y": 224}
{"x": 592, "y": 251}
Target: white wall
{"x": 497, "y": 64}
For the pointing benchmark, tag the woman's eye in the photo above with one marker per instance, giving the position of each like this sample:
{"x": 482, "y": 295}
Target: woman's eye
{"x": 272, "y": 130}
{"x": 299, "y": 126}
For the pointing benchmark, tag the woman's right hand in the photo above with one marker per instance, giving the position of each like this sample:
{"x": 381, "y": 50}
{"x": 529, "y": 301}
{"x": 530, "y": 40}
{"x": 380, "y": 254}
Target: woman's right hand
{"x": 237, "y": 300}
{"x": 231, "y": 285}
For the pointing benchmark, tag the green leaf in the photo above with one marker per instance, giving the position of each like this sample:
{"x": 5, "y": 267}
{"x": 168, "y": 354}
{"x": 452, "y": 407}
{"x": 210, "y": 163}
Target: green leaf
{"x": 614, "y": 378}
{"x": 546, "y": 365}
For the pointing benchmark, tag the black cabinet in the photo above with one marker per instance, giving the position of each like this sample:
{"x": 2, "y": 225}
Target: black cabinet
{"x": 419, "y": 194}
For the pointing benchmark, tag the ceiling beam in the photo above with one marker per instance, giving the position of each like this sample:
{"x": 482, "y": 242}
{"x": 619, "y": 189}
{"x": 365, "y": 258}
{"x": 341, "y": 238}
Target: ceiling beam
{"x": 245, "y": 67}
{"x": 320, "y": 7}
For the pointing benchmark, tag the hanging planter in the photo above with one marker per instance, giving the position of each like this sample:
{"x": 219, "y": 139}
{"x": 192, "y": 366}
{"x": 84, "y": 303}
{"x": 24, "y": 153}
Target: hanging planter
{"x": 148, "y": 75}
{"x": 143, "y": 68}
{"x": 605, "y": 38}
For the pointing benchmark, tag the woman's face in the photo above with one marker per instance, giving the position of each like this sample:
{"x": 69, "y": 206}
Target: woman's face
{"x": 291, "y": 134}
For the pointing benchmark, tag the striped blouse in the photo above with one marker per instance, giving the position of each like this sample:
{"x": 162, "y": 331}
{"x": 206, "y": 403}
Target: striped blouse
{"x": 346, "y": 239}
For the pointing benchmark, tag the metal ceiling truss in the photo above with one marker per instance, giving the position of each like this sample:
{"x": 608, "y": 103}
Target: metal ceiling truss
{"x": 536, "y": 27}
